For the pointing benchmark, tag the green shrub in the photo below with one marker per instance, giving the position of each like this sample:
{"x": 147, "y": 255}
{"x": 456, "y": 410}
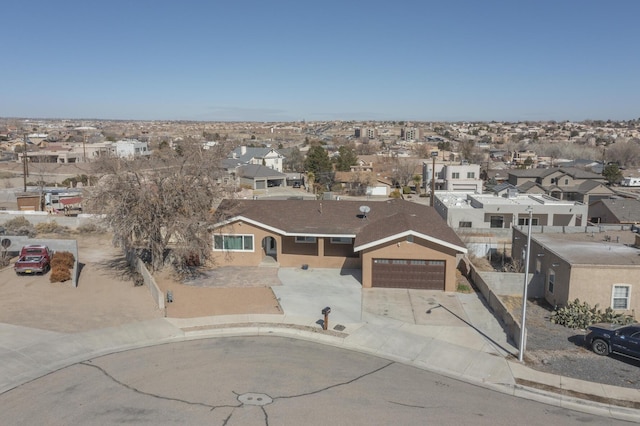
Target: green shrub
{"x": 406, "y": 190}
{"x": 581, "y": 315}
{"x": 395, "y": 194}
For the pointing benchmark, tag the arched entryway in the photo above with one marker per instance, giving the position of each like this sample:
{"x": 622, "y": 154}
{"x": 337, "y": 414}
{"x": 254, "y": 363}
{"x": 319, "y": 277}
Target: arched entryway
{"x": 270, "y": 247}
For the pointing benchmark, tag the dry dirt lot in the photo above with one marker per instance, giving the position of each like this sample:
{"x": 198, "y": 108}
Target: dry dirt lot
{"x": 190, "y": 301}
{"x": 106, "y": 296}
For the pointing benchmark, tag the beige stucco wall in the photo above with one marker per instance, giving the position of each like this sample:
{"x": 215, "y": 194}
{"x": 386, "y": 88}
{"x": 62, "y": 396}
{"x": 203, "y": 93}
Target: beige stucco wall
{"x": 289, "y": 253}
{"x": 594, "y": 284}
{"x": 419, "y": 249}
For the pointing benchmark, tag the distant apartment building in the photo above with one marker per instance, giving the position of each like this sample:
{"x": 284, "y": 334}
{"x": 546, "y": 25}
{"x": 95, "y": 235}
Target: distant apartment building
{"x": 367, "y": 132}
{"x": 410, "y": 134}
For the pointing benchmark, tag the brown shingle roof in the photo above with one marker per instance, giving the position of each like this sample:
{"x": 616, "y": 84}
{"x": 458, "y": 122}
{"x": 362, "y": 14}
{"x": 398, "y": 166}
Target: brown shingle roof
{"x": 311, "y": 217}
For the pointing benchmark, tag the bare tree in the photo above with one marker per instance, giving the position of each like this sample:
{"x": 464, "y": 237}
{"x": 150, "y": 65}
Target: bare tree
{"x": 403, "y": 171}
{"x": 161, "y": 202}
{"x": 625, "y": 152}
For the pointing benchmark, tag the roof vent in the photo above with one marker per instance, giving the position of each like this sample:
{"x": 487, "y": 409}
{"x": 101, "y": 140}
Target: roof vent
{"x": 364, "y": 210}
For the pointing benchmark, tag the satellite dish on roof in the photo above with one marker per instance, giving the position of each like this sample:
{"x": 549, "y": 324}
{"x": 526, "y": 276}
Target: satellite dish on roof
{"x": 364, "y": 210}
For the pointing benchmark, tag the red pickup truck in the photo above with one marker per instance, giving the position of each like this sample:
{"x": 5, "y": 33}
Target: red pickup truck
{"x": 34, "y": 259}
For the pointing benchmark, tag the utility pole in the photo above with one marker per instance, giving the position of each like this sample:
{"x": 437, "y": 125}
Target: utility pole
{"x": 84, "y": 148}
{"x": 523, "y": 336}
{"x": 25, "y": 168}
{"x": 433, "y": 178}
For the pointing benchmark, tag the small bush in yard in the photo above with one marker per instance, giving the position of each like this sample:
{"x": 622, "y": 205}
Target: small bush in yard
{"x": 581, "y": 315}
{"x": 89, "y": 228}
{"x": 60, "y": 274}
{"x": 19, "y": 226}
{"x": 63, "y": 259}
{"x": 51, "y": 228}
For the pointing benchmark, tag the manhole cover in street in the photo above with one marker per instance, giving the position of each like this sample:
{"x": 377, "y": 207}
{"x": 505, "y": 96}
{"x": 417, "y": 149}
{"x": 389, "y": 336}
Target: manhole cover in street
{"x": 255, "y": 399}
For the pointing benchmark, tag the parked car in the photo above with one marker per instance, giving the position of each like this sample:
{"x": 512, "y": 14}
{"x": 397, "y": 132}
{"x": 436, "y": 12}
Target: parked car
{"x": 34, "y": 259}
{"x": 607, "y": 338}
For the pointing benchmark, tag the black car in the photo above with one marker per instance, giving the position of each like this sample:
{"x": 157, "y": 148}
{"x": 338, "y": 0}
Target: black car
{"x": 607, "y": 338}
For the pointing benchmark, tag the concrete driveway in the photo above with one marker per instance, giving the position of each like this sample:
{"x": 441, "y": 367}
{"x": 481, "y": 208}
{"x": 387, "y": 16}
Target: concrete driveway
{"x": 305, "y": 293}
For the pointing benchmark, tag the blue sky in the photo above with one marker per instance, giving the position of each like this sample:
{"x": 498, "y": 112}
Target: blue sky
{"x": 277, "y": 60}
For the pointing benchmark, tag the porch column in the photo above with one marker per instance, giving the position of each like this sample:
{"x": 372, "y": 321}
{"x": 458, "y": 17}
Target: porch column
{"x": 320, "y": 247}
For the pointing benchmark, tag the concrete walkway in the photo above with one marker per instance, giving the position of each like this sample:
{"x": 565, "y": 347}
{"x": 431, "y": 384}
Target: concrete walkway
{"x": 451, "y": 334}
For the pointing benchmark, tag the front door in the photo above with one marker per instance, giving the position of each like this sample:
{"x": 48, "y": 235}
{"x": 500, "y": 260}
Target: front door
{"x": 270, "y": 247}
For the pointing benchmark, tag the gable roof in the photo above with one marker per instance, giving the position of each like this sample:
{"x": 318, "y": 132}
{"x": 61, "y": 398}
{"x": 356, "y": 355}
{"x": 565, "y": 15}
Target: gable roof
{"x": 528, "y": 186}
{"x": 386, "y": 220}
{"x": 258, "y": 170}
{"x": 590, "y": 185}
{"x": 574, "y": 172}
{"x": 250, "y": 153}
{"x": 625, "y": 210}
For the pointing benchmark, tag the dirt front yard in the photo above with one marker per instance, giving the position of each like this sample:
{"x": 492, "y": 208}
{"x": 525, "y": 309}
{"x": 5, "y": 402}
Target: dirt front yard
{"x": 105, "y": 295}
{"x": 190, "y": 301}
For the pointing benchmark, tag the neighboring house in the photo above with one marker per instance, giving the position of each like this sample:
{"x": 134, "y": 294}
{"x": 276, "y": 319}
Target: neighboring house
{"x": 396, "y": 243}
{"x": 467, "y": 210}
{"x": 130, "y": 148}
{"x": 260, "y": 177}
{"x": 267, "y": 157}
{"x": 570, "y": 184}
{"x": 615, "y": 210}
{"x": 599, "y": 271}
{"x": 453, "y": 177}
{"x": 462, "y": 177}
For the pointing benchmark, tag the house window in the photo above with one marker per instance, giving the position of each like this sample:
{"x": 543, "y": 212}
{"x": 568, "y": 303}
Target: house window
{"x": 463, "y": 224}
{"x": 455, "y": 175}
{"x": 552, "y": 280}
{"x": 435, "y": 262}
{"x": 307, "y": 240}
{"x": 620, "y": 297}
{"x": 233, "y": 242}
{"x": 340, "y": 240}
{"x": 399, "y": 262}
{"x": 497, "y": 222}
{"x": 566, "y": 181}
{"x": 525, "y": 221}
{"x": 471, "y": 175}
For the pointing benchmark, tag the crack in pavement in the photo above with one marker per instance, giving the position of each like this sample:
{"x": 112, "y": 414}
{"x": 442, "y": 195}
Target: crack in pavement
{"x": 233, "y": 407}
{"x": 335, "y": 385}
{"x": 409, "y": 405}
{"x": 202, "y": 404}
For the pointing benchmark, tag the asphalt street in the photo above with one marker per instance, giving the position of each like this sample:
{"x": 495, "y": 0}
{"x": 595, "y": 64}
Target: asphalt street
{"x": 263, "y": 381}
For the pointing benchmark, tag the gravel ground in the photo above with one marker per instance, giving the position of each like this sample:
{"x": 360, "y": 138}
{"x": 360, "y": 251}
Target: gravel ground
{"x": 560, "y": 350}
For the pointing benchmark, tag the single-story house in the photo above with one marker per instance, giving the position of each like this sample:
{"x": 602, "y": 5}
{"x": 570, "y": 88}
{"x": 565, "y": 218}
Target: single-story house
{"x": 396, "y": 243}
{"x": 615, "y": 210}
{"x": 593, "y": 267}
{"x": 260, "y": 177}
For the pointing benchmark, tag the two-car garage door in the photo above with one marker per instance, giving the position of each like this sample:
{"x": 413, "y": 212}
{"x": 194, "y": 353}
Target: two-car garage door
{"x": 408, "y": 273}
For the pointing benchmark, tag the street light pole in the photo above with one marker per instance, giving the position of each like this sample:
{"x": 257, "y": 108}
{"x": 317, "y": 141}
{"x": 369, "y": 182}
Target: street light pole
{"x": 433, "y": 178}
{"x": 25, "y": 169}
{"x": 524, "y": 292}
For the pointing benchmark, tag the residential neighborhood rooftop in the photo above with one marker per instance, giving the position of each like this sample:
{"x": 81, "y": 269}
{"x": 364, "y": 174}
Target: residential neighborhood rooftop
{"x": 610, "y": 248}
{"x": 470, "y": 200}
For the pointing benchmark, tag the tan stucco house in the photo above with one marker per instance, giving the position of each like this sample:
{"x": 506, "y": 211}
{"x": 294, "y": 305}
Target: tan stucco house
{"x": 396, "y": 243}
{"x": 594, "y": 268}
